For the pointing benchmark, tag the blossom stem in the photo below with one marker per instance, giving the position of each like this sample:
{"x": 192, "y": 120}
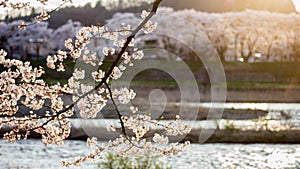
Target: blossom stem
{"x": 116, "y": 109}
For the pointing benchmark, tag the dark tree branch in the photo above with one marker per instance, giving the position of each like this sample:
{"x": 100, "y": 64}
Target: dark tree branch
{"x": 116, "y": 109}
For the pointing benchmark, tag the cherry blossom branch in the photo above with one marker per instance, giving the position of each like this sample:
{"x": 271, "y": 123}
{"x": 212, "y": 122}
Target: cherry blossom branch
{"x": 116, "y": 109}
{"x": 114, "y": 64}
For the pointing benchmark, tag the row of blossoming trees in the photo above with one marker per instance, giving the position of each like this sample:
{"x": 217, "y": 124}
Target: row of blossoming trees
{"x": 258, "y": 35}
{"x": 242, "y": 36}
{"x": 37, "y": 40}
{"x": 247, "y": 36}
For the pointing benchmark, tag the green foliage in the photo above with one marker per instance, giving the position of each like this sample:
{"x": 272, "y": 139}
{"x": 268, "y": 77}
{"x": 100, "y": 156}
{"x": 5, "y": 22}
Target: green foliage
{"x": 112, "y": 161}
{"x": 230, "y": 127}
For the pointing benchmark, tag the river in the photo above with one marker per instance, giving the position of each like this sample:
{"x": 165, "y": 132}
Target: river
{"x": 32, "y": 154}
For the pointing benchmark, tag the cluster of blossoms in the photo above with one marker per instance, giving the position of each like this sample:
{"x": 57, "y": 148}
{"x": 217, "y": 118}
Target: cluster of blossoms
{"x": 17, "y": 5}
{"x": 51, "y": 60}
{"x": 149, "y": 26}
{"x": 44, "y": 15}
{"x": 124, "y": 95}
{"x": 22, "y": 85}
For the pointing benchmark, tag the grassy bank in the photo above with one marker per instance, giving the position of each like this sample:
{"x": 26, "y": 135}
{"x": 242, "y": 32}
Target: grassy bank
{"x": 249, "y": 136}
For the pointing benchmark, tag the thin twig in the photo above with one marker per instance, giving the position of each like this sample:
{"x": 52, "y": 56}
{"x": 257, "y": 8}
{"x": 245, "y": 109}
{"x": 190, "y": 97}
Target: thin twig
{"x": 116, "y": 109}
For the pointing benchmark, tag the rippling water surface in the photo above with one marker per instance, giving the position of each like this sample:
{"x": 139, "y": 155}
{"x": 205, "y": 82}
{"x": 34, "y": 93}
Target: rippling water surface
{"x": 32, "y": 154}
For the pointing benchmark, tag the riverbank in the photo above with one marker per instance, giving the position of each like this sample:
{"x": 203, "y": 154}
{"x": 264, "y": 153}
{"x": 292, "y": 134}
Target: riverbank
{"x": 249, "y": 136}
{"x": 235, "y": 92}
{"x": 239, "y": 122}
{"x": 225, "y": 132}
{"x": 246, "y": 82}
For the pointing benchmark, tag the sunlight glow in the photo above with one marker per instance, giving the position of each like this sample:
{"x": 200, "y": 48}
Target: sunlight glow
{"x": 54, "y": 3}
{"x": 297, "y": 5}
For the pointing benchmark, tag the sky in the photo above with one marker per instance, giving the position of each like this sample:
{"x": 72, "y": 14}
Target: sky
{"x": 54, "y": 3}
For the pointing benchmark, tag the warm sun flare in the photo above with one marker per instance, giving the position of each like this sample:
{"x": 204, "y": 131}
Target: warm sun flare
{"x": 297, "y": 4}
